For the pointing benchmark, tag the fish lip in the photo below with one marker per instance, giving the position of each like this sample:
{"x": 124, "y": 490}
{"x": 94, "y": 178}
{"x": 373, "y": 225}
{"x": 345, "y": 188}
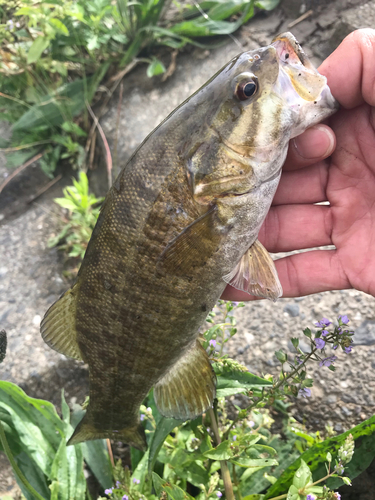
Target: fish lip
{"x": 285, "y": 45}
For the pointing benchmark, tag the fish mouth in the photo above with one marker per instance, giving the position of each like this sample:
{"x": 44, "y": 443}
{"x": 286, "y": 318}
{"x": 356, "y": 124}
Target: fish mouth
{"x": 290, "y": 51}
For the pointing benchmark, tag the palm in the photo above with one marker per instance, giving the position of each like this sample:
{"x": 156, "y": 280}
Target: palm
{"x": 351, "y": 193}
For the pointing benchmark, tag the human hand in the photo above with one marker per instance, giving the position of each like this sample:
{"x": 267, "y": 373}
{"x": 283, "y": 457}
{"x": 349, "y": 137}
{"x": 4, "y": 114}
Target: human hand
{"x": 346, "y": 179}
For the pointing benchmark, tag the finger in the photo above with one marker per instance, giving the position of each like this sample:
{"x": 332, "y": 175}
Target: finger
{"x": 317, "y": 143}
{"x": 295, "y": 227}
{"x": 307, "y": 185}
{"x": 350, "y": 69}
{"x": 303, "y": 274}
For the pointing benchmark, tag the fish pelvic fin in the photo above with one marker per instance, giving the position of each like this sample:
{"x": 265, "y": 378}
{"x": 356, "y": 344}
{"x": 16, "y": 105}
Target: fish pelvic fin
{"x": 256, "y": 274}
{"x": 189, "y": 387}
{"x": 58, "y": 325}
{"x": 86, "y": 431}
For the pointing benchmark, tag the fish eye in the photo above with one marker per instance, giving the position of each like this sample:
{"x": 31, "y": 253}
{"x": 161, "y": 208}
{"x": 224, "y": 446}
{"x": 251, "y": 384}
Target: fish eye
{"x": 246, "y": 89}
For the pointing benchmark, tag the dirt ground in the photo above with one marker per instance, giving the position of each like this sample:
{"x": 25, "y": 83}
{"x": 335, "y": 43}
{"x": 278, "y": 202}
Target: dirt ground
{"x": 31, "y": 273}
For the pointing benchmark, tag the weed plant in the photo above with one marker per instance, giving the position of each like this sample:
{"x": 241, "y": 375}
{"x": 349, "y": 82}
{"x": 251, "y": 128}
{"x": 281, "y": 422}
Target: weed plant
{"x": 59, "y": 57}
{"x": 230, "y": 451}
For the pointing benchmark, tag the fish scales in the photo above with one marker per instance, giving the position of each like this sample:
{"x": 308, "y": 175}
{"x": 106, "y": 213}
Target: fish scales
{"x": 180, "y": 222}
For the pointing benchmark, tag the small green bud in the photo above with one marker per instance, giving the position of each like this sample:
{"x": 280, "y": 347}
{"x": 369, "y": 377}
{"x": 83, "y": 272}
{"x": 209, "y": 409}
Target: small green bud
{"x": 295, "y": 342}
{"x": 346, "y": 481}
{"x": 329, "y": 457}
{"x": 307, "y": 332}
{"x": 281, "y": 356}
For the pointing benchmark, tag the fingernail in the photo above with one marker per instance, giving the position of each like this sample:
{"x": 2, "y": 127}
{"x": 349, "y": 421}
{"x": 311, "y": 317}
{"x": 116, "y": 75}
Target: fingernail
{"x": 317, "y": 142}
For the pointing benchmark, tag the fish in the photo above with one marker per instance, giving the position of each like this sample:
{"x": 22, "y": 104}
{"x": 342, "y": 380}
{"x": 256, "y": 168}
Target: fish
{"x": 180, "y": 222}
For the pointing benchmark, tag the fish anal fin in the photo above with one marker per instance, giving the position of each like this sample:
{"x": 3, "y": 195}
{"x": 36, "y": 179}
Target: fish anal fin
{"x": 132, "y": 435}
{"x": 189, "y": 387}
{"x": 193, "y": 246}
{"x": 256, "y": 274}
{"x": 58, "y": 325}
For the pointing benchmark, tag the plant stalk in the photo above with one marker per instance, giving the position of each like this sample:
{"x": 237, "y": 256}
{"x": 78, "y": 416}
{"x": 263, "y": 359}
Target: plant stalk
{"x": 14, "y": 465}
{"x": 225, "y": 474}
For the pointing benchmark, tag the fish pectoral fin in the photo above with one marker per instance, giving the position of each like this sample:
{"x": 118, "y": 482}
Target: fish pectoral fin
{"x": 86, "y": 431}
{"x": 189, "y": 387}
{"x": 256, "y": 274}
{"x": 58, "y": 325}
{"x": 193, "y": 246}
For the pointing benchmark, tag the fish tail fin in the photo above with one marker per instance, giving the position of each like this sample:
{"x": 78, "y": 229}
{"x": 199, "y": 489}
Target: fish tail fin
{"x": 86, "y": 431}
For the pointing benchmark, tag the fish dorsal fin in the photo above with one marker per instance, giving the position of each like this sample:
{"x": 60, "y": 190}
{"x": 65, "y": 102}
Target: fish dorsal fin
{"x": 192, "y": 247}
{"x": 58, "y": 327}
{"x": 256, "y": 274}
{"x": 188, "y": 389}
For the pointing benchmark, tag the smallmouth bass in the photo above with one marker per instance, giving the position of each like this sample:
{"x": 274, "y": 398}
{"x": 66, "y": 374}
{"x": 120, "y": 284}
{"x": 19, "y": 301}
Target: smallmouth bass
{"x": 180, "y": 222}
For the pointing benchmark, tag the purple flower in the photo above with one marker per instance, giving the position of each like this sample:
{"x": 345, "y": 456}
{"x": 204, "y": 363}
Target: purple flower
{"x": 319, "y": 343}
{"x": 125, "y": 497}
{"x": 219, "y": 494}
{"x": 299, "y": 360}
{"x": 108, "y": 491}
{"x": 136, "y": 481}
{"x": 323, "y": 322}
{"x": 324, "y": 333}
{"x": 337, "y": 495}
{"x": 348, "y": 349}
{"x": 344, "y": 319}
{"x": 234, "y": 438}
{"x": 118, "y": 484}
{"x": 339, "y": 329}
{"x": 328, "y": 361}
{"x": 305, "y": 392}
{"x": 310, "y": 497}
{"x": 235, "y": 303}
{"x": 212, "y": 343}
{"x": 142, "y": 417}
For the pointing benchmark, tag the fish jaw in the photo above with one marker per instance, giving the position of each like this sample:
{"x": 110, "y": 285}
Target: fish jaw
{"x": 303, "y": 88}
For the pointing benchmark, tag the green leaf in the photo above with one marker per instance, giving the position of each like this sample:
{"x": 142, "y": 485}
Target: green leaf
{"x": 173, "y": 491}
{"x": 34, "y": 432}
{"x": 221, "y": 452}
{"x": 38, "y": 46}
{"x": 156, "y": 67}
{"x": 73, "y": 128}
{"x": 302, "y": 476}
{"x": 295, "y": 342}
{"x": 231, "y": 381}
{"x": 316, "y": 457}
{"x": 293, "y": 493}
{"x": 267, "y": 4}
{"x": 163, "y": 429}
{"x": 59, "y": 26}
{"x": 254, "y": 462}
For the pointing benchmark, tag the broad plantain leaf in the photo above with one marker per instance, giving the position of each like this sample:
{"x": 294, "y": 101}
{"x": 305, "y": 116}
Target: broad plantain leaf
{"x": 163, "y": 428}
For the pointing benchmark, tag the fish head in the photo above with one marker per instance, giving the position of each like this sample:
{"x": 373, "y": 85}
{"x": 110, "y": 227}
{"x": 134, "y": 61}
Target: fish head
{"x": 257, "y": 103}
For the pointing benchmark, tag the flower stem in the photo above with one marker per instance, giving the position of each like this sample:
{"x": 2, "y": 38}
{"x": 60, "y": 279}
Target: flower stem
{"x": 225, "y": 474}
{"x": 14, "y": 465}
{"x": 274, "y": 388}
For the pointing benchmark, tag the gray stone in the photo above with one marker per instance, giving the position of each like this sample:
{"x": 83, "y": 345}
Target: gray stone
{"x": 346, "y": 411}
{"x": 292, "y": 310}
{"x": 338, "y": 427}
{"x": 331, "y": 399}
{"x": 365, "y": 334}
